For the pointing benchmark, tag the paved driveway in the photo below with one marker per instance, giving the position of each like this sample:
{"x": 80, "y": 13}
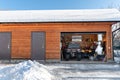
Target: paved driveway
{"x": 86, "y": 71}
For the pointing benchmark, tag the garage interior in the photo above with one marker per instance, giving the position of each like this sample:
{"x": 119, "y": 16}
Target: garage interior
{"x": 84, "y": 43}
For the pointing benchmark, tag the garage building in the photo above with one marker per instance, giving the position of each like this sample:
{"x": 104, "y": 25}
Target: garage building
{"x": 40, "y": 34}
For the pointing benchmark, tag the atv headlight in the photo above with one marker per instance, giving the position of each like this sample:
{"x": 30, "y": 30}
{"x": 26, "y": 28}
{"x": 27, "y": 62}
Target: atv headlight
{"x": 78, "y": 50}
{"x": 68, "y": 50}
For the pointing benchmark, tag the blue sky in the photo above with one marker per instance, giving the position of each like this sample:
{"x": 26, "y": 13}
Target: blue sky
{"x": 56, "y": 4}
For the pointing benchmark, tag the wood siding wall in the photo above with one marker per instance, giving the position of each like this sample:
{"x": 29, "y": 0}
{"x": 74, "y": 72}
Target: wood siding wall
{"x": 21, "y": 36}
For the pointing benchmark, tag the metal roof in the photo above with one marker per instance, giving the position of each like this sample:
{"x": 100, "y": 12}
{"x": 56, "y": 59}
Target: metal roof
{"x": 60, "y": 15}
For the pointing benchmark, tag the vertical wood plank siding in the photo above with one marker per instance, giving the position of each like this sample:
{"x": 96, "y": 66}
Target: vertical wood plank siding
{"x": 21, "y": 36}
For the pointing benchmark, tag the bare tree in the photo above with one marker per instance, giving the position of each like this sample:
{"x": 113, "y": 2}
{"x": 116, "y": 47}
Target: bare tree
{"x": 116, "y": 32}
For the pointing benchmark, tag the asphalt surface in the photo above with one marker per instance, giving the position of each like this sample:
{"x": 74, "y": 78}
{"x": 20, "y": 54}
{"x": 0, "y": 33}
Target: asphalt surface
{"x": 86, "y": 71}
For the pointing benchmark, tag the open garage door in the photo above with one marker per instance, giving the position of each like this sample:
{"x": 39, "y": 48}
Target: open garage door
{"x": 5, "y": 45}
{"x": 83, "y": 46}
{"x": 38, "y": 46}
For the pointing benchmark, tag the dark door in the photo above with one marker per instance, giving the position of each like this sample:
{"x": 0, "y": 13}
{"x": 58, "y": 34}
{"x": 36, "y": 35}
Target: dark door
{"x": 5, "y": 45}
{"x": 38, "y": 46}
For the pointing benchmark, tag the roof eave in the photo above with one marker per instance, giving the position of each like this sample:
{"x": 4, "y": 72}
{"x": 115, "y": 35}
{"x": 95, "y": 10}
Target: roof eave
{"x": 56, "y": 21}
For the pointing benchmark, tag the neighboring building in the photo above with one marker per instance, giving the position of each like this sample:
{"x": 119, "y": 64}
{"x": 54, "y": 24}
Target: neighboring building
{"x": 37, "y": 34}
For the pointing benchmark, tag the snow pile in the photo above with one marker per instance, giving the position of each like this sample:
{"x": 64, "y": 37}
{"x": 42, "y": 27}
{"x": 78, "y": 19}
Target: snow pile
{"x": 117, "y": 59}
{"x": 117, "y": 56}
{"x": 27, "y": 70}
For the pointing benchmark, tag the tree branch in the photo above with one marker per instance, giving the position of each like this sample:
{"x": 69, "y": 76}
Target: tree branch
{"x": 116, "y": 30}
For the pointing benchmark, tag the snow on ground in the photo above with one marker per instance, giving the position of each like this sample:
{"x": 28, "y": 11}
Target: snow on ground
{"x": 32, "y": 70}
{"x": 27, "y": 70}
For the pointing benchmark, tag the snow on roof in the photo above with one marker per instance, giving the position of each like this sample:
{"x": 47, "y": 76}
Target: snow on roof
{"x": 60, "y": 15}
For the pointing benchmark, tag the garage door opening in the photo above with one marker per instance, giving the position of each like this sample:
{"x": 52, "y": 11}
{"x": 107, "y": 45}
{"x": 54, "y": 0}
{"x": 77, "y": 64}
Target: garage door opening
{"x": 80, "y": 46}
